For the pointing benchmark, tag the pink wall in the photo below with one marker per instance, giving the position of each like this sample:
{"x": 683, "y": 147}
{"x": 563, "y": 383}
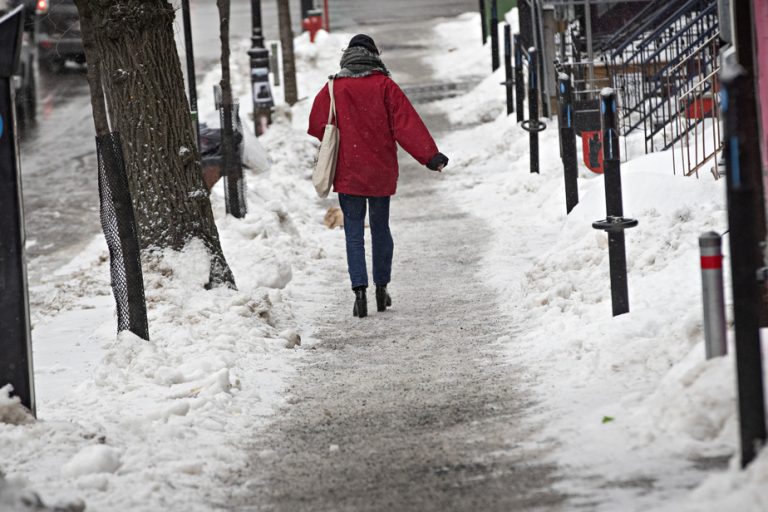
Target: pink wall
{"x": 761, "y": 65}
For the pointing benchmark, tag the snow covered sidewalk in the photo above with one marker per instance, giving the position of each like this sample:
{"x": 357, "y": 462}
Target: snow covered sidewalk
{"x": 126, "y": 424}
{"x": 499, "y": 378}
{"x": 641, "y": 421}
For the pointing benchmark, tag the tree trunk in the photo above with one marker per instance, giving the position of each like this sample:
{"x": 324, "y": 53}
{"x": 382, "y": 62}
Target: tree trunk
{"x": 141, "y": 74}
{"x": 289, "y": 61}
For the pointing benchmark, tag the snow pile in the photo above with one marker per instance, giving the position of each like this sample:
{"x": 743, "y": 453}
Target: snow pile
{"x": 129, "y": 424}
{"x": 11, "y": 410}
{"x": 624, "y": 400}
{"x": 93, "y": 459}
{"x": 14, "y": 498}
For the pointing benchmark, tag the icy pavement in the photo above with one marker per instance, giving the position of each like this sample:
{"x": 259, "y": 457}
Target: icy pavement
{"x": 413, "y": 409}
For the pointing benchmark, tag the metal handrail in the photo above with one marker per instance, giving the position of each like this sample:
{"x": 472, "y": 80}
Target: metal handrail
{"x": 686, "y": 8}
{"x": 703, "y": 45}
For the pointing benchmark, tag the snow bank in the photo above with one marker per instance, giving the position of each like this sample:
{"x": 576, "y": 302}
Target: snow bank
{"x": 627, "y": 400}
{"x": 129, "y": 424}
{"x": 11, "y": 410}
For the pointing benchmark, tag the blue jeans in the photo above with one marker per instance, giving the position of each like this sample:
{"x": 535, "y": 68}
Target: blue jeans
{"x": 354, "y": 229}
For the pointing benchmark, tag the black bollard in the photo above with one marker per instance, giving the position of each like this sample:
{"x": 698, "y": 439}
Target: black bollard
{"x": 15, "y": 337}
{"x": 495, "y": 35}
{"x": 614, "y": 223}
{"x": 568, "y": 142}
{"x": 482, "y": 21}
{"x": 508, "y": 83}
{"x": 519, "y": 82}
{"x": 743, "y": 168}
{"x": 532, "y": 125}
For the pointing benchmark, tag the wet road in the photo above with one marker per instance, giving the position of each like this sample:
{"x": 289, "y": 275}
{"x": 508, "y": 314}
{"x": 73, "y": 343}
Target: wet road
{"x": 58, "y": 158}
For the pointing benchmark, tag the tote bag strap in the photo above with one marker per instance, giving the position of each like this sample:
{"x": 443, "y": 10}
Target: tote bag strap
{"x": 332, "y": 110}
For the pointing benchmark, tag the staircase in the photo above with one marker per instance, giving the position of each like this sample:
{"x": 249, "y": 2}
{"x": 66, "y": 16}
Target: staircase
{"x": 655, "y": 59}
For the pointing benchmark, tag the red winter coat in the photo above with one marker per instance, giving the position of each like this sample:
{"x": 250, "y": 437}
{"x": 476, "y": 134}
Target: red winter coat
{"x": 373, "y": 113}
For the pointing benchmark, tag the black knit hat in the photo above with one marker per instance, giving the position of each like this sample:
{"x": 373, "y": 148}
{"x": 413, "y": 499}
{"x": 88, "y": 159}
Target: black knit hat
{"x": 364, "y": 41}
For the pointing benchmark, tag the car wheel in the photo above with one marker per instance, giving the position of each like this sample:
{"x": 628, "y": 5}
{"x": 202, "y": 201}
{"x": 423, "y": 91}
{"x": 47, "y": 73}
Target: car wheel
{"x": 54, "y": 64}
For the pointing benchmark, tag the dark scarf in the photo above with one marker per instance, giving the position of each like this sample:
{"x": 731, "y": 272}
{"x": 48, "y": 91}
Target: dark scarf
{"x": 358, "y": 62}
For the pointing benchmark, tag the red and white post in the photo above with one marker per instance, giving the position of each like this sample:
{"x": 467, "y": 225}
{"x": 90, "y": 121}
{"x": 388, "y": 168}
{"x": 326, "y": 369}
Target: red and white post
{"x": 710, "y": 245}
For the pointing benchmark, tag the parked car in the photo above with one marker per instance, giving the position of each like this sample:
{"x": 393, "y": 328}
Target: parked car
{"x": 58, "y": 33}
{"x": 24, "y": 82}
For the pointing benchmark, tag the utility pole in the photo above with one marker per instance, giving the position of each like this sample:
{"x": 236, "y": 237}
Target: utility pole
{"x": 289, "y": 62}
{"x": 261, "y": 90}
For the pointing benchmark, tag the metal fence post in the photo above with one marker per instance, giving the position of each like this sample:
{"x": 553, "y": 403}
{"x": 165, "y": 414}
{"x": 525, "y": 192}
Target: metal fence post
{"x": 568, "y": 142}
{"x": 508, "y": 82}
{"x": 533, "y": 109}
{"x": 191, "y": 77}
{"x": 15, "y": 336}
{"x": 710, "y": 245}
{"x": 483, "y": 22}
{"x": 742, "y": 158}
{"x": 614, "y": 223}
{"x": 519, "y": 81}
{"x": 494, "y": 35}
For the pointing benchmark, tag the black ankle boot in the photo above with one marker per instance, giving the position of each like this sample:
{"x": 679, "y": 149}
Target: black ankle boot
{"x": 361, "y": 303}
{"x": 383, "y": 300}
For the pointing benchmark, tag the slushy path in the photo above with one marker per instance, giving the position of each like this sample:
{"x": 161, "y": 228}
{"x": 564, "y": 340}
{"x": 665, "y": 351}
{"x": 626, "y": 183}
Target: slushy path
{"x": 414, "y": 409}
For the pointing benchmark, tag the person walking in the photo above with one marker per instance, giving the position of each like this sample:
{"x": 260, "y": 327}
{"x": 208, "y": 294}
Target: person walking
{"x": 373, "y": 115}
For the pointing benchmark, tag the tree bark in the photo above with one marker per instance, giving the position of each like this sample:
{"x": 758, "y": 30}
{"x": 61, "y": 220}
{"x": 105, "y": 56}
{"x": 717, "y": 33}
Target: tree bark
{"x": 289, "y": 61}
{"x": 134, "y": 47}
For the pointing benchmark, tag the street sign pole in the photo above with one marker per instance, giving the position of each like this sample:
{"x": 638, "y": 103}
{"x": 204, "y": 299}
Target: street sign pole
{"x": 15, "y": 336}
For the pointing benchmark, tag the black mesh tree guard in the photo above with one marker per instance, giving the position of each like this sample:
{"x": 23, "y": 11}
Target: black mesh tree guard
{"x": 119, "y": 225}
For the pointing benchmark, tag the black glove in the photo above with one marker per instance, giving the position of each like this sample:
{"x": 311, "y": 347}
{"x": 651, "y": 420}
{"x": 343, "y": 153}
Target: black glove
{"x": 436, "y": 161}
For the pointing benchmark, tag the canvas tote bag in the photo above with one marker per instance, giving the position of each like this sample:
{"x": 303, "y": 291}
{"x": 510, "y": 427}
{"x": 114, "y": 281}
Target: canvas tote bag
{"x": 325, "y": 168}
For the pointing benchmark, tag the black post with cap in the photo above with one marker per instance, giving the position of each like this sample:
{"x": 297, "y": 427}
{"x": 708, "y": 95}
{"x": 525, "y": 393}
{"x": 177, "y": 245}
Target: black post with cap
{"x": 533, "y": 108}
{"x": 508, "y": 83}
{"x": 483, "y": 22}
{"x": 495, "y": 60}
{"x": 615, "y": 223}
{"x": 568, "y": 141}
